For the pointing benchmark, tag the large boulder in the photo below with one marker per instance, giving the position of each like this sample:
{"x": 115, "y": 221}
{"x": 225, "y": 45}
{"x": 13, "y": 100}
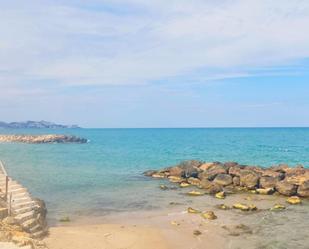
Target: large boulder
{"x": 223, "y": 179}
{"x": 268, "y": 181}
{"x": 205, "y": 183}
{"x": 235, "y": 170}
{"x": 236, "y": 180}
{"x": 249, "y": 179}
{"x": 303, "y": 189}
{"x": 176, "y": 171}
{"x": 279, "y": 168}
{"x": 274, "y": 174}
{"x": 214, "y": 189}
{"x": 213, "y": 171}
{"x": 190, "y": 168}
{"x": 297, "y": 176}
{"x": 286, "y": 188}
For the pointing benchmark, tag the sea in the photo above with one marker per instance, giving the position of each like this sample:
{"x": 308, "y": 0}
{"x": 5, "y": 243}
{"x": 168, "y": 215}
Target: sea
{"x": 104, "y": 176}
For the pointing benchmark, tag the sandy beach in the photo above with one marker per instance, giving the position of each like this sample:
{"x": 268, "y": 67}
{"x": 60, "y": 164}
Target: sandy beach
{"x": 105, "y": 236}
{"x": 176, "y": 228}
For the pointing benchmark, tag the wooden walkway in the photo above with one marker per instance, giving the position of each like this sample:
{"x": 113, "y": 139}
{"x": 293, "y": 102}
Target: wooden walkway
{"x": 21, "y": 205}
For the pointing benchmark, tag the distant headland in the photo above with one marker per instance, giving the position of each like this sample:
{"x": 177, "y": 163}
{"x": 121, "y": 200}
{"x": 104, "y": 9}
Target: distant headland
{"x": 36, "y": 124}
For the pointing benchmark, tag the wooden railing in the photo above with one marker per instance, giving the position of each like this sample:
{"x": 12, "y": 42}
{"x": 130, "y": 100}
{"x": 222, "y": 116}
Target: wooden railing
{"x": 7, "y": 199}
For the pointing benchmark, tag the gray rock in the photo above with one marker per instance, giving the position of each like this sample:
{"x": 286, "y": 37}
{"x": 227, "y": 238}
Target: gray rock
{"x": 249, "y": 179}
{"x": 285, "y": 188}
{"x": 223, "y": 179}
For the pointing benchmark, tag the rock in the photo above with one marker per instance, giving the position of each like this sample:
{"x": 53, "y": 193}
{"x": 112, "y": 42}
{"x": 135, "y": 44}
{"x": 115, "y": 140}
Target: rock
{"x": 294, "y": 200}
{"x": 65, "y": 219}
{"x": 277, "y": 207}
{"x": 197, "y": 232}
{"x": 205, "y": 183}
{"x": 235, "y": 170}
{"x": 195, "y": 193}
{"x": 285, "y": 188}
{"x": 279, "y": 168}
{"x": 297, "y": 176}
{"x": 10, "y": 221}
{"x": 274, "y": 174}
{"x": 184, "y": 184}
{"x": 39, "y": 139}
{"x": 230, "y": 164}
{"x": 214, "y": 189}
{"x": 163, "y": 187}
{"x": 209, "y": 215}
{"x": 223, "y": 179}
{"x": 190, "y": 168}
{"x": 237, "y": 230}
{"x": 265, "y": 191}
{"x": 223, "y": 207}
{"x": 244, "y": 207}
{"x": 249, "y": 179}
{"x": 175, "y": 223}
{"x": 303, "y": 189}
{"x": 212, "y": 172}
{"x": 193, "y": 211}
{"x": 175, "y": 179}
{"x": 176, "y": 171}
{"x": 206, "y": 166}
{"x": 149, "y": 172}
{"x": 268, "y": 181}
{"x": 158, "y": 175}
{"x": 220, "y": 195}
{"x": 236, "y": 180}
{"x": 194, "y": 181}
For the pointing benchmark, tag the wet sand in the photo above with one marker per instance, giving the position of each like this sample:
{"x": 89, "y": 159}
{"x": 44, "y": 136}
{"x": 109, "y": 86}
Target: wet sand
{"x": 173, "y": 227}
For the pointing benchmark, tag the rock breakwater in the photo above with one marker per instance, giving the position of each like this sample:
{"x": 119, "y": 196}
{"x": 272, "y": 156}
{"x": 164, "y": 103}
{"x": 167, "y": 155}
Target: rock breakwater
{"x": 215, "y": 177}
{"x": 41, "y": 139}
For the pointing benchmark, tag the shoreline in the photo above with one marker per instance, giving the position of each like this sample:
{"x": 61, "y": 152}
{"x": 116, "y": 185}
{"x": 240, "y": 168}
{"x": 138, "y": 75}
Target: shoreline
{"x": 174, "y": 227}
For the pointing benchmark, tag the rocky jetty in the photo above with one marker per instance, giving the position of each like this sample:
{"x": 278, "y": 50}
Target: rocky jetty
{"x": 41, "y": 139}
{"x": 216, "y": 177}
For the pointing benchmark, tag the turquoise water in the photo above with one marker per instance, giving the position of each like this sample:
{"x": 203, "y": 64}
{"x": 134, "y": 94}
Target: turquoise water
{"x": 105, "y": 175}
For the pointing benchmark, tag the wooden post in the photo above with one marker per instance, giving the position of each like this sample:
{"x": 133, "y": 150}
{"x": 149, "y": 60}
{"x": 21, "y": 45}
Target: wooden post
{"x": 6, "y": 187}
{"x": 10, "y": 205}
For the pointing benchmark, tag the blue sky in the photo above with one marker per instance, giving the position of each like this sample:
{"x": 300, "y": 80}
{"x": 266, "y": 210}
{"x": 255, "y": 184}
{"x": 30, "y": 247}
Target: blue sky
{"x": 138, "y": 63}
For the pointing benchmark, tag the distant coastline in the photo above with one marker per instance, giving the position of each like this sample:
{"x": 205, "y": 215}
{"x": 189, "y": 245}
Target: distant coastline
{"x": 36, "y": 125}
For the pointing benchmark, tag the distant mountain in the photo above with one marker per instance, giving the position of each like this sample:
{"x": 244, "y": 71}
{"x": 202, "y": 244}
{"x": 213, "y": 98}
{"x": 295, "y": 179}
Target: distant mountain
{"x": 36, "y": 124}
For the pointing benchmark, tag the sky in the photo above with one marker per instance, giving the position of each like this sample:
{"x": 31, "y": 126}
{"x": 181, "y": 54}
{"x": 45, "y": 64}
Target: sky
{"x": 143, "y": 63}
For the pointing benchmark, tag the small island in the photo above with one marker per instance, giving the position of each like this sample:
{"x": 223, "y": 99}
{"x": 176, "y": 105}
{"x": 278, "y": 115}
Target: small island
{"x": 41, "y": 139}
{"x": 36, "y": 125}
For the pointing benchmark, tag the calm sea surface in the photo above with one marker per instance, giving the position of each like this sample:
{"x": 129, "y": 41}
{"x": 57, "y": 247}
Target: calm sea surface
{"x": 105, "y": 175}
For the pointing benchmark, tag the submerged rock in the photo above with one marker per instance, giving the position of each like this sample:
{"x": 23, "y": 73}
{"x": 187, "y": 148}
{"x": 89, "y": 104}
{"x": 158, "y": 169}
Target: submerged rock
{"x": 220, "y": 195}
{"x": 223, "y": 207}
{"x": 294, "y": 200}
{"x": 209, "y": 215}
{"x": 194, "y": 181}
{"x": 195, "y": 193}
{"x": 265, "y": 191}
{"x": 197, "y": 232}
{"x": 245, "y": 207}
{"x": 184, "y": 184}
{"x": 191, "y": 210}
{"x": 277, "y": 207}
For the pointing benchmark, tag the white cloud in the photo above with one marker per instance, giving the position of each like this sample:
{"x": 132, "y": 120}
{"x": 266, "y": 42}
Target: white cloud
{"x": 139, "y": 41}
